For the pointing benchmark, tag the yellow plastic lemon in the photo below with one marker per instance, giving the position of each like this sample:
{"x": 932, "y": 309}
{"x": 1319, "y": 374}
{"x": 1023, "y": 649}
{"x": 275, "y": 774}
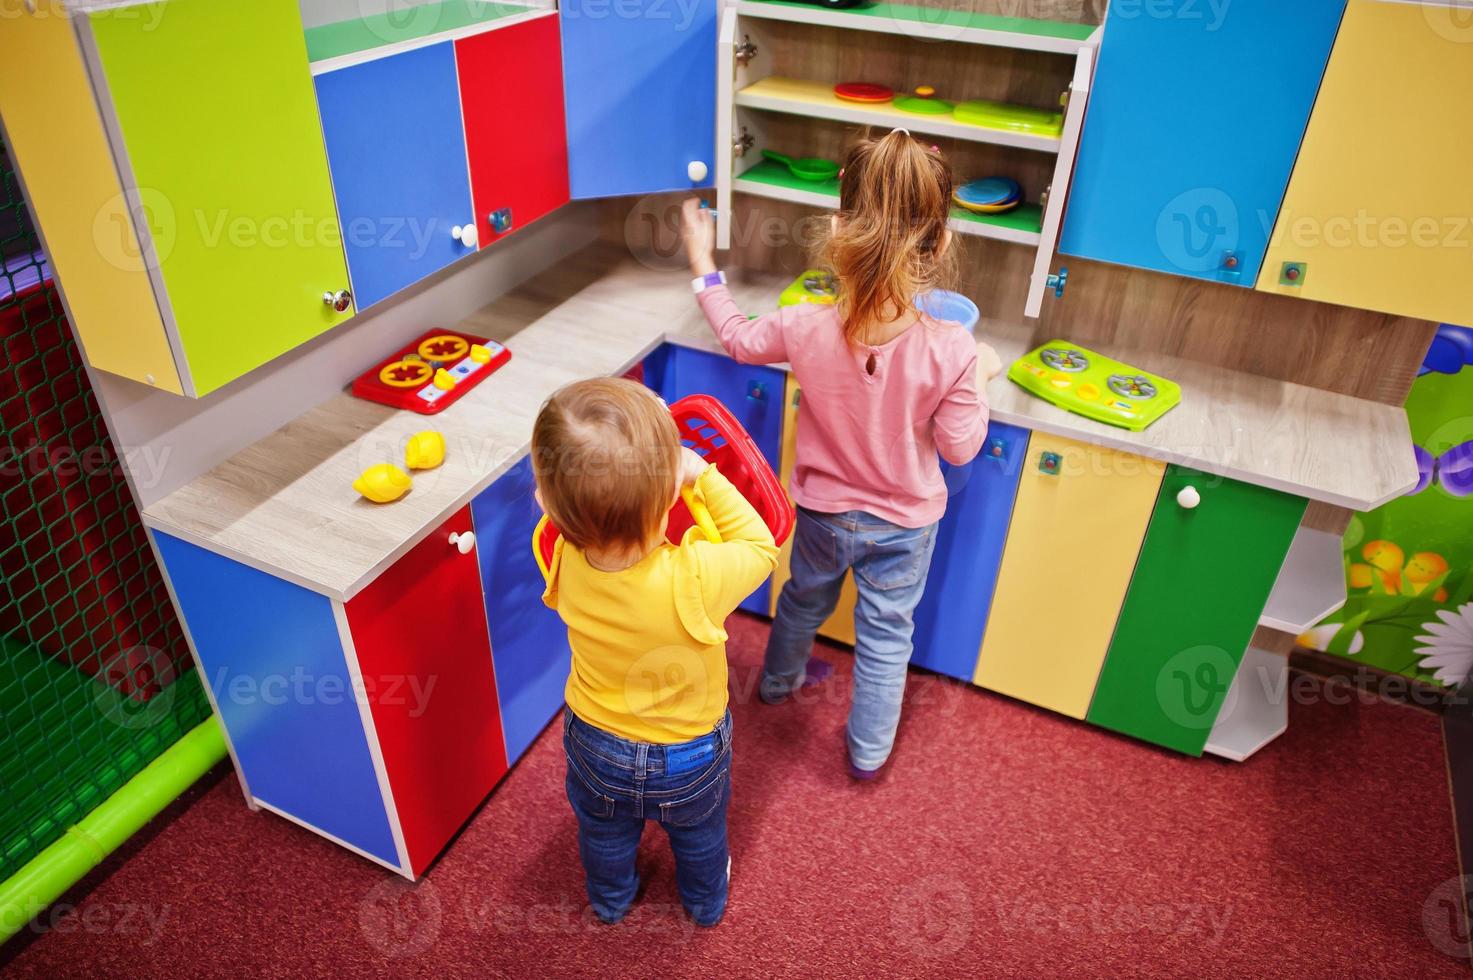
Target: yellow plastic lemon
{"x": 443, "y": 379}
{"x": 425, "y": 450}
{"x": 383, "y": 483}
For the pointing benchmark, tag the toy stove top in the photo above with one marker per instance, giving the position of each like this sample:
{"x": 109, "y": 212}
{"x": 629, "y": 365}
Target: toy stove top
{"x": 1095, "y": 386}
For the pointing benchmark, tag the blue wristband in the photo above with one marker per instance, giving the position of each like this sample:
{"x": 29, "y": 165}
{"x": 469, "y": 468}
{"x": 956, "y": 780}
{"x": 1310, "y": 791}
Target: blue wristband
{"x": 702, "y": 283}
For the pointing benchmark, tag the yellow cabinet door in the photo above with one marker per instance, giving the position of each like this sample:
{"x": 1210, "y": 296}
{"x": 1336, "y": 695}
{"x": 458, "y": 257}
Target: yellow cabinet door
{"x": 56, "y": 137}
{"x": 839, "y": 626}
{"x": 1078, "y": 524}
{"x": 1377, "y": 213}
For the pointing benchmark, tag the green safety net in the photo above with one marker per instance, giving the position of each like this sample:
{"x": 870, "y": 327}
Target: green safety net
{"x": 95, "y": 676}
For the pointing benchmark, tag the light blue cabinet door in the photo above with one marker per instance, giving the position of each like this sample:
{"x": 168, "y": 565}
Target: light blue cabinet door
{"x": 639, "y": 80}
{"x": 396, "y": 149}
{"x": 1195, "y": 117}
{"x": 953, "y": 612}
{"x": 529, "y": 643}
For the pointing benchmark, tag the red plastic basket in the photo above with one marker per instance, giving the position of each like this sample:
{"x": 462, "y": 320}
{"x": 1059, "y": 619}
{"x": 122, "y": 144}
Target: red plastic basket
{"x": 707, "y": 427}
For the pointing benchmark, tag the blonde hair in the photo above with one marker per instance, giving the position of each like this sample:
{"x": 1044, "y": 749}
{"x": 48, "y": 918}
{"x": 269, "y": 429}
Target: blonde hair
{"x": 889, "y": 242}
{"x": 605, "y": 454}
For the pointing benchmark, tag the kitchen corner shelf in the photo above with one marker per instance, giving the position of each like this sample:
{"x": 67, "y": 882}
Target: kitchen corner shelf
{"x": 817, "y": 100}
{"x": 934, "y": 23}
{"x": 773, "y": 180}
{"x": 753, "y": 99}
{"x": 1311, "y": 583}
{"x": 1256, "y": 709}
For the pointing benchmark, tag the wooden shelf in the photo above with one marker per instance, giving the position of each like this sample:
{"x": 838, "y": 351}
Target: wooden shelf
{"x": 1311, "y": 583}
{"x": 933, "y": 23}
{"x": 773, "y": 180}
{"x": 1256, "y": 710}
{"x": 817, "y": 100}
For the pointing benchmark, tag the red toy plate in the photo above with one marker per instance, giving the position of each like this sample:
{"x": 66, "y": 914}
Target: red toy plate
{"x": 863, "y": 92}
{"x": 407, "y": 379}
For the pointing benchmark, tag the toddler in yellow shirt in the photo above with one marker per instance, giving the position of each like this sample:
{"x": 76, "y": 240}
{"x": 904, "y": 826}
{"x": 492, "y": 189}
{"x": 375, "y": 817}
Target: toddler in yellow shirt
{"x": 647, "y": 732}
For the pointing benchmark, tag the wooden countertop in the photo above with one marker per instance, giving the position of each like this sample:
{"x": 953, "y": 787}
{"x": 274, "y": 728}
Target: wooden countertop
{"x": 286, "y": 504}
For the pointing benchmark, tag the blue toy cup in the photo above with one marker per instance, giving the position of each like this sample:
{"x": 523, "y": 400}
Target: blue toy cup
{"x": 943, "y": 304}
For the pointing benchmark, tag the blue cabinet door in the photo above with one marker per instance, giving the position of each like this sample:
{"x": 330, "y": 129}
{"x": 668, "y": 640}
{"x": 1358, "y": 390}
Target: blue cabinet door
{"x": 969, "y": 543}
{"x": 639, "y": 83}
{"x": 273, "y": 656}
{"x": 396, "y": 150}
{"x": 529, "y": 643}
{"x": 753, "y": 394}
{"x": 1195, "y": 118}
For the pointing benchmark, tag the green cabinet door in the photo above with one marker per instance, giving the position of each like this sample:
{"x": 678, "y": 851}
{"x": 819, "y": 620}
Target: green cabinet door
{"x": 215, "y": 107}
{"x": 1200, "y": 585}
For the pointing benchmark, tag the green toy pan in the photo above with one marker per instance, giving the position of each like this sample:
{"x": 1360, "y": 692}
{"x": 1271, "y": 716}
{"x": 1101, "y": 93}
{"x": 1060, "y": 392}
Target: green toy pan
{"x": 805, "y": 168}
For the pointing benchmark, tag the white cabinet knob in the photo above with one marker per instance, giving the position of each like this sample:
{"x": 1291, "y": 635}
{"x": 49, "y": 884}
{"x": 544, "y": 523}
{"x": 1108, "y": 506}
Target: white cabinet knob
{"x": 1188, "y": 498}
{"x": 464, "y": 541}
{"x": 696, "y": 170}
{"x": 465, "y": 234}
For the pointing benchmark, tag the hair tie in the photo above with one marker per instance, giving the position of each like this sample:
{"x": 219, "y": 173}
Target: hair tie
{"x": 899, "y": 129}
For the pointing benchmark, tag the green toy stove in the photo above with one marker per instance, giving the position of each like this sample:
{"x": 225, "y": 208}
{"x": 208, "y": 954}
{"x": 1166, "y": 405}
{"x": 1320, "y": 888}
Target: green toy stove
{"x": 1094, "y": 385}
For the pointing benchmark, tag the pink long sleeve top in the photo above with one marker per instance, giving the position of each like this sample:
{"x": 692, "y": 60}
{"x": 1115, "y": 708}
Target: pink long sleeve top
{"x": 867, "y": 441}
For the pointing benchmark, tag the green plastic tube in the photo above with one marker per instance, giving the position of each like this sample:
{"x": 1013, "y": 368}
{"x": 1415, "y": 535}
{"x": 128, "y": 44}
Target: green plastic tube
{"x": 48, "y": 875}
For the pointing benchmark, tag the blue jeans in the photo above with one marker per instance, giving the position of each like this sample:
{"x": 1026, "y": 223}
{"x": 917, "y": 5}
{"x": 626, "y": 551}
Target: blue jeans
{"x": 615, "y": 785}
{"x": 890, "y": 566}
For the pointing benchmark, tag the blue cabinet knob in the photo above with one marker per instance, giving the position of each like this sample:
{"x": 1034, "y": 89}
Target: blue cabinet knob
{"x": 757, "y": 391}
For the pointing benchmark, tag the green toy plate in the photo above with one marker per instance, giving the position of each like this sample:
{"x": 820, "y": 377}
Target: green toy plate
{"x": 1014, "y": 118}
{"x": 1094, "y": 385}
{"x": 805, "y": 168}
{"x": 923, "y": 105}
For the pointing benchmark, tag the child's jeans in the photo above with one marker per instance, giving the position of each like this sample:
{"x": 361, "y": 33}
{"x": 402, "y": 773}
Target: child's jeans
{"x": 615, "y": 785}
{"x": 890, "y": 566}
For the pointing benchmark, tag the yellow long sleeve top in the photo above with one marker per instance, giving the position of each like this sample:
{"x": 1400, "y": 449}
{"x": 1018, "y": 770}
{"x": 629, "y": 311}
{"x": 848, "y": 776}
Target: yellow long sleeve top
{"x": 649, "y": 644}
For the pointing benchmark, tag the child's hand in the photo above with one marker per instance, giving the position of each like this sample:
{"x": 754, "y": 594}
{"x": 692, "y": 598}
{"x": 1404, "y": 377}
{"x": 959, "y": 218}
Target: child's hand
{"x": 692, "y": 465}
{"x": 698, "y": 231}
{"x": 988, "y": 364}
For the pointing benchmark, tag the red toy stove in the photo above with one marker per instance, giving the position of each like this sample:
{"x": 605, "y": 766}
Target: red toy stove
{"x": 429, "y": 374}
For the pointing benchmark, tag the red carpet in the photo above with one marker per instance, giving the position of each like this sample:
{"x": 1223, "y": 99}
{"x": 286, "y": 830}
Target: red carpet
{"x": 1007, "y": 841}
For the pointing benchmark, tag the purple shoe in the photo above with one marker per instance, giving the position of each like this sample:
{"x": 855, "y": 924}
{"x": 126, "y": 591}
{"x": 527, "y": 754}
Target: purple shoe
{"x": 863, "y": 775}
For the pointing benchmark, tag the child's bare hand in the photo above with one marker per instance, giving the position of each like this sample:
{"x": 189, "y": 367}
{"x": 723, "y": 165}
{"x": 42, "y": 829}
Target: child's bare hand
{"x": 989, "y": 365}
{"x": 692, "y": 465}
{"x": 698, "y": 232}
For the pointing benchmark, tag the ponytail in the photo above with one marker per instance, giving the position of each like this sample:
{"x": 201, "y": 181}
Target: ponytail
{"x": 888, "y": 243}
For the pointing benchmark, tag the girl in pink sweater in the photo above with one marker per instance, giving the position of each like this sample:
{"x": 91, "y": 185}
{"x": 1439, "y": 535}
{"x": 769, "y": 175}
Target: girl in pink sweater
{"x": 887, "y": 392}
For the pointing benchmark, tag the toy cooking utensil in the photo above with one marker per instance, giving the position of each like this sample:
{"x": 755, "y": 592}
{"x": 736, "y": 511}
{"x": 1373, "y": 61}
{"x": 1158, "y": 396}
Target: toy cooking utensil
{"x": 1094, "y": 385}
{"x": 863, "y": 92}
{"x": 990, "y": 195}
{"x": 1017, "y": 119}
{"x": 805, "y": 168}
{"x": 431, "y": 372}
{"x": 923, "y": 102}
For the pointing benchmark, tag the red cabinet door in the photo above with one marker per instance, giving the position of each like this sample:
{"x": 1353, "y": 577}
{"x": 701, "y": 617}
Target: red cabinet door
{"x": 419, "y": 631}
{"x": 511, "y": 92}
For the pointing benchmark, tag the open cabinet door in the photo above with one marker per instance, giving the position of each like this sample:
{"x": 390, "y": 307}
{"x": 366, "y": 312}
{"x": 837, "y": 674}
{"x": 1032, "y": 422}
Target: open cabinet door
{"x": 725, "y": 135}
{"x": 1043, "y": 279}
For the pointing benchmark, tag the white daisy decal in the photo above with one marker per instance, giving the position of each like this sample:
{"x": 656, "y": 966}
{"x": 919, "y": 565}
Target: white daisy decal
{"x": 1447, "y": 646}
